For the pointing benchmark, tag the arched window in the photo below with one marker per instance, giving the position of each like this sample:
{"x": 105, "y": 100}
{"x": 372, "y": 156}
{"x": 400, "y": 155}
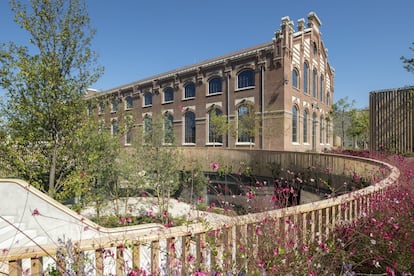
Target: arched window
{"x": 245, "y": 79}
{"x": 305, "y": 77}
{"x": 321, "y": 130}
{"x": 147, "y": 129}
{"x": 328, "y": 126}
{"x": 148, "y": 99}
{"x": 129, "y": 103}
{"x": 328, "y": 98}
{"x": 215, "y": 126}
{"x": 190, "y": 128}
{"x": 321, "y": 91}
{"x": 101, "y": 108}
{"x": 215, "y": 85}
{"x": 189, "y": 91}
{"x": 295, "y": 80}
{"x": 114, "y": 127}
{"x": 168, "y": 129}
{"x": 294, "y": 124}
{"x": 168, "y": 95}
{"x": 114, "y": 105}
{"x": 305, "y": 126}
{"x": 314, "y": 83}
{"x": 246, "y": 124}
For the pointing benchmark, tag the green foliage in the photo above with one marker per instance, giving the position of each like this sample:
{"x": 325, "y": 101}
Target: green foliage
{"x": 152, "y": 164}
{"x": 409, "y": 62}
{"x": 218, "y": 125}
{"x": 43, "y": 118}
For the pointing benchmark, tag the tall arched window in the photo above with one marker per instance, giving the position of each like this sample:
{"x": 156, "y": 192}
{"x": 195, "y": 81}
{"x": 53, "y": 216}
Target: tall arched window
{"x": 114, "y": 127}
{"x": 215, "y": 126}
{"x": 305, "y": 77}
{"x": 147, "y": 129}
{"x": 189, "y": 90}
{"x": 246, "y": 124}
{"x": 321, "y": 90}
{"x": 128, "y": 103}
{"x": 148, "y": 99}
{"x": 294, "y": 124}
{"x": 314, "y": 83}
{"x": 168, "y": 129}
{"x": 295, "y": 80}
{"x": 190, "y": 128}
{"x": 305, "y": 126}
{"x": 328, "y": 126}
{"x": 328, "y": 98}
{"x": 245, "y": 78}
{"x": 215, "y": 85}
{"x": 114, "y": 105}
{"x": 168, "y": 95}
{"x": 321, "y": 130}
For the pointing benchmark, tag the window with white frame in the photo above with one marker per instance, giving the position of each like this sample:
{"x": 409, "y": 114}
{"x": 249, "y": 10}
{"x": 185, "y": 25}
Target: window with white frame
{"x": 168, "y": 95}
{"x": 246, "y": 124}
{"x": 245, "y": 79}
{"x": 148, "y": 99}
{"x": 215, "y": 85}
{"x": 294, "y": 124}
{"x": 168, "y": 129}
{"x": 215, "y": 126}
{"x": 189, "y": 91}
{"x": 305, "y": 126}
{"x": 129, "y": 103}
{"x": 190, "y": 128}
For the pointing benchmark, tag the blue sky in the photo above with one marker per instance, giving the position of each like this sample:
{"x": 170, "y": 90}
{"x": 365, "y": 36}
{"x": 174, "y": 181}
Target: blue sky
{"x": 139, "y": 38}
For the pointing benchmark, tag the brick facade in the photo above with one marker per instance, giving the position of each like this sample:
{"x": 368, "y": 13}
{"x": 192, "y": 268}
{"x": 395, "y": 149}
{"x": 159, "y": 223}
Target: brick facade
{"x": 268, "y": 80}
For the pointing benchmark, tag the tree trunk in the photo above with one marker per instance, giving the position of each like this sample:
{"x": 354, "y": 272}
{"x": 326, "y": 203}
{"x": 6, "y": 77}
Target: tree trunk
{"x": 52, "y": 172}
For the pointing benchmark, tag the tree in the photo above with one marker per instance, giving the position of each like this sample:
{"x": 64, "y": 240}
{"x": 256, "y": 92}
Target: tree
{"x": 151, "y": 164}
{"x": 218, "y": 125}
{"x": 409, "y": 62}
{"x": 45, "y": 84}
{"x": 358, "y": 128}
{"x": 246, "y": 127}
{"x": 340, "y": 112}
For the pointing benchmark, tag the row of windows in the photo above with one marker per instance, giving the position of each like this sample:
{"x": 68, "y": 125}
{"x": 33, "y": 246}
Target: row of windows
{"x": 245, "y": 134}
{"x": 245, "y": 79}
{"x": 323, "y": 132}
{"x": 321, "y": 95}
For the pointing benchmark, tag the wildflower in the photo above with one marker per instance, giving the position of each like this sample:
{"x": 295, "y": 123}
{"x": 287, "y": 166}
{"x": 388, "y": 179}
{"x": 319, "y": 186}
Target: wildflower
{"x": 190, "y": 259}
{"x": 214, "y": 165}
{"x": 390, "y": 271}
{"x": 261, "y": 264}
{"x": 35, "y": 212}
{"x": 259, "y": 231}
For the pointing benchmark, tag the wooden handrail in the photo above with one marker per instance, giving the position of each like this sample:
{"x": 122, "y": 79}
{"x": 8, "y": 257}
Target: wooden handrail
{"x": 327, "y": 213}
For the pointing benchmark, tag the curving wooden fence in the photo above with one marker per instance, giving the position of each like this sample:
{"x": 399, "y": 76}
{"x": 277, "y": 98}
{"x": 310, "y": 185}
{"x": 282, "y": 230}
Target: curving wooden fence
{"x": 227, "y": 245}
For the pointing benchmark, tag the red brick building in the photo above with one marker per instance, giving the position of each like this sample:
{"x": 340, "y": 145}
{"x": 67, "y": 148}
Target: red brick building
{"x": 287, "y": 83}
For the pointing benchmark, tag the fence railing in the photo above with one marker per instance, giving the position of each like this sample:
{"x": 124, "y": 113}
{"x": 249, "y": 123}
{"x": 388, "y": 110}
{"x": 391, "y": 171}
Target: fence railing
{"x": 215, "y": 246}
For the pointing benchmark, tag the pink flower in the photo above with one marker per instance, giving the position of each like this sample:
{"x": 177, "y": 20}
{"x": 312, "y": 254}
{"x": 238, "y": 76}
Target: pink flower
{"x": 214, "y": 165}
{"x": 35, "y": 212}
{"x": 190, "y": 259}
{"x": 259, "y": 231}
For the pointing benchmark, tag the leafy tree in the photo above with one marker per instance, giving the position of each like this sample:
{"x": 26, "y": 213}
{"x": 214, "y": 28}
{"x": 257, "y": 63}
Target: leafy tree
{"x": 340, "y": 111}
{"x": 45, "y": 84}
{"x": 152, "y": 165}
{"x": 247, "y": 124}
{"x": 218, "y": 125}
{"x": 409, "y": 62}
{"x": 358, "y": 128}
